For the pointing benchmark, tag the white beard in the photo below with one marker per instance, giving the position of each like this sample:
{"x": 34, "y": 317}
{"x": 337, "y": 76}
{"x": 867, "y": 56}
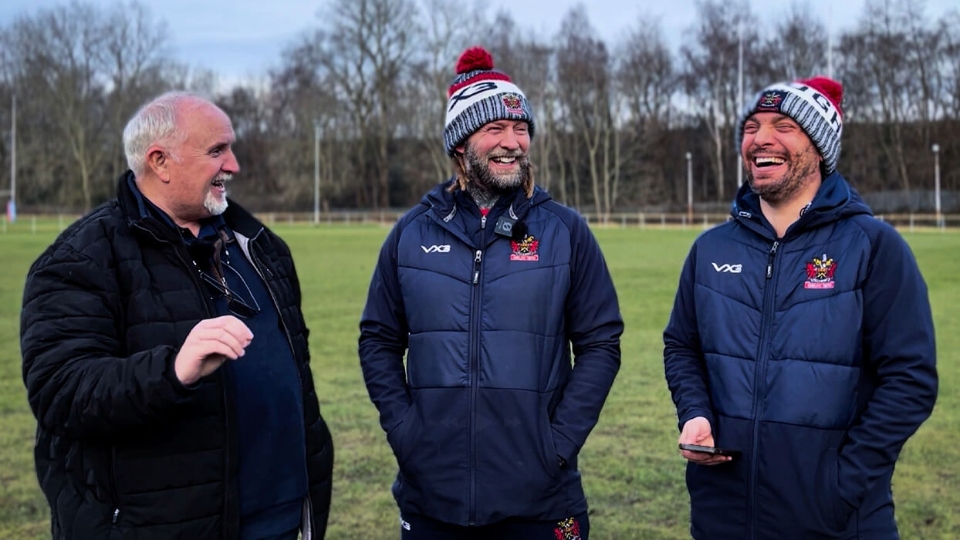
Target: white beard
{"x": 214, "y": 206}
{"x": 210, "y": 201}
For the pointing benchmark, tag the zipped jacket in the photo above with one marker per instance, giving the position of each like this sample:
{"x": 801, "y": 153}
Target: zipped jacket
{"x": 123, "y": 449}
{"x": 814, "y": 355}
{"x": 489, "y": 398}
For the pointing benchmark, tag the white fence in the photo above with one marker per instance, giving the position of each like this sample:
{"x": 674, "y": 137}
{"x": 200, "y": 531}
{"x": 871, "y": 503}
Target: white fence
{"x": 642, "y": 220}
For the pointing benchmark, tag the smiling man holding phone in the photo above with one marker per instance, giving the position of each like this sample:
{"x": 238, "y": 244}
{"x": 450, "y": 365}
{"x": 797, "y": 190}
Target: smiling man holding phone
{"x": 801, "y": 338}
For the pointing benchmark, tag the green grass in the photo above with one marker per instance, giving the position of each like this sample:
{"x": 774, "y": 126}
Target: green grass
{"x": 632, "y": 474}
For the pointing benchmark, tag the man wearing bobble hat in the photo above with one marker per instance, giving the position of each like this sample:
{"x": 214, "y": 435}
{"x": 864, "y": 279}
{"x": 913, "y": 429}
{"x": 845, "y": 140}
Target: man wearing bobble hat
{"x": 486, "y": 287}
{"x": 801, "y": 339}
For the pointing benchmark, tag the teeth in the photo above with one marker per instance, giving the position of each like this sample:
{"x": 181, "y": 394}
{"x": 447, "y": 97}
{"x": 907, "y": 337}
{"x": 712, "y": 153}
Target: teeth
{"x": 505, "y": 160}
{"x": 769, "y": 161}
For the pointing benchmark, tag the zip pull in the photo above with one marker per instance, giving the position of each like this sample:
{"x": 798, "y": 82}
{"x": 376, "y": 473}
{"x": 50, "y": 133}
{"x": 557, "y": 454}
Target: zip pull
{"x": 476, "y": 265}
{"x": 483, "y": 222}
{"x": 773, "y": 252}
{"x": 116, "y": 515}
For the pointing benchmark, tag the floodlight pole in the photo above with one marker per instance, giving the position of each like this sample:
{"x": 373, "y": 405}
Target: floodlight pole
{"x": 12, "y": 205}
{"x": 316, "y": 173}
{"x": 936, "y": 183}
{"x": 739, "y": 93}
{"x": 689, "y": 189}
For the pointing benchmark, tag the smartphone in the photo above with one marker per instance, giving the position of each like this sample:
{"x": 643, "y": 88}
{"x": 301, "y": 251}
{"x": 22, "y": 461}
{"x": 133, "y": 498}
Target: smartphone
{"x": 710, "y": 450}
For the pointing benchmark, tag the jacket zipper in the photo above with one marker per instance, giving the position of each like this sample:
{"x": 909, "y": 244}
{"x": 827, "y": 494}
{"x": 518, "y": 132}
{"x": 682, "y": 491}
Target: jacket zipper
{"x": 273, "y": 298}
{"x": 475, "y": 371}
{"x": 759, "y": 374}
{"x": 113, "y": 485}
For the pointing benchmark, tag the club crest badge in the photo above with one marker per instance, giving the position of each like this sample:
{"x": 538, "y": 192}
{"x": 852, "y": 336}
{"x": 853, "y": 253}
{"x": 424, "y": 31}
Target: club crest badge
{"x": 513, "y": 103}
{"x": 770, "y": 101}
{"x": 820, "y": 273}
{"x": 526, "y": 249}
{"x": 567, "y": 529}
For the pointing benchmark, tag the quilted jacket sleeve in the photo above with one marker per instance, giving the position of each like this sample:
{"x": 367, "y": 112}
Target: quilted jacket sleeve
{"x": 900, "y": 352}
{"x": 383, "y": 338}
{"x": 594, "y": 328}
{"x": 79, "y": 383}
{"x": 682, "y": 354}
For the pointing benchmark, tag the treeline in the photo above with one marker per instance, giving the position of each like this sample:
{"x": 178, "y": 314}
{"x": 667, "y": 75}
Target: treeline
{"x": 366, "y": 89}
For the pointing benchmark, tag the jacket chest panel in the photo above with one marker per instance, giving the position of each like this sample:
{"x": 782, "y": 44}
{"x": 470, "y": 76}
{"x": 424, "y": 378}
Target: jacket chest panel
{"x": 813, "y": 295}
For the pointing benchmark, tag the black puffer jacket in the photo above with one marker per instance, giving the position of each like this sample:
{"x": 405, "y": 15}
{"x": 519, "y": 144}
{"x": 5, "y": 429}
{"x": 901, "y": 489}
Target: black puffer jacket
{"x": 123, "y": 449}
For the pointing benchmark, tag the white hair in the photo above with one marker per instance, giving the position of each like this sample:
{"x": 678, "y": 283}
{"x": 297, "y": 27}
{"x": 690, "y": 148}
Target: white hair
{"x": 155, "y": 122}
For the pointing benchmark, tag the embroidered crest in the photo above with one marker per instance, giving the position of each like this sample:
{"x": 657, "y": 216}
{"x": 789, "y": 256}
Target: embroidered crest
{"x": 567, "y": 529}
{"x": 513, "y": 103}
{"x": 770, "y": 101}
{"x": 820, "y": 273}
{"x": 526, "y": 249}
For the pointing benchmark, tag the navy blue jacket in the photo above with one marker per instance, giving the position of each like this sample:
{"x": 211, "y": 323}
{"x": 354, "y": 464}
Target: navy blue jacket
{"x": 489, "y": 398}
{"x": 814, "y": 355}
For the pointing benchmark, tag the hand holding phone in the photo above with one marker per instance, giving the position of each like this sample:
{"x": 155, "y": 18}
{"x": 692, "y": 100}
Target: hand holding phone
{"x": 712, "y": 450}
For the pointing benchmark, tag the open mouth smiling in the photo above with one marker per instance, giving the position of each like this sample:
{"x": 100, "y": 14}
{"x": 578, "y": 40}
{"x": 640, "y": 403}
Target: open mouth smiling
{"x": 768, "y": 161}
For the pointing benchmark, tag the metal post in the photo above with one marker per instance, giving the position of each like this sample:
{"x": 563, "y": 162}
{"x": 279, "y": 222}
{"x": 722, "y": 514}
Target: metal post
{"x": 936, "y": 183}
{"x": 739, "y": 95}
{"x": 689, "y": 188}
{"x": 12, "y": 205}
{"x": 316, "y": 173}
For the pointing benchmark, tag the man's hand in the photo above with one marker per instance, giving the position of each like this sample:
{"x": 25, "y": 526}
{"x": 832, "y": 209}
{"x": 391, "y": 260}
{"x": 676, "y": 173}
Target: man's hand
{"x": 697, "y": 431}
{"x": 208, "y": 345}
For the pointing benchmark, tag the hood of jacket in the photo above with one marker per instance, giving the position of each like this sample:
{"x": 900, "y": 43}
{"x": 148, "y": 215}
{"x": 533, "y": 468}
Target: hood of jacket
{"x": 836, "y": 199}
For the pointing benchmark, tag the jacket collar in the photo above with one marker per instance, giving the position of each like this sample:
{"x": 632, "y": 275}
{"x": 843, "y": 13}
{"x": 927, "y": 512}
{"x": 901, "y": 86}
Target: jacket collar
{"x": 140, "y": 212}
{"x": 445, "y": 204}
{"x": 836, "y": 199}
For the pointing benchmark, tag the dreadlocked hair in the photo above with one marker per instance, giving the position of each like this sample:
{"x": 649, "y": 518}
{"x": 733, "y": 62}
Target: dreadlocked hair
{"x": 460, "y": 171}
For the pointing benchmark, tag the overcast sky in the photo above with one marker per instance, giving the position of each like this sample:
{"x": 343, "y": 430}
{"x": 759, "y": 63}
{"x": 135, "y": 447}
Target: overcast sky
{"x": 243, "y": 38}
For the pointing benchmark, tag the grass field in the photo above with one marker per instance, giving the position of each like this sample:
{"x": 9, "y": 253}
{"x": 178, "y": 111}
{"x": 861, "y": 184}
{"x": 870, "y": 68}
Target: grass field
{"x": 632, "y": 472}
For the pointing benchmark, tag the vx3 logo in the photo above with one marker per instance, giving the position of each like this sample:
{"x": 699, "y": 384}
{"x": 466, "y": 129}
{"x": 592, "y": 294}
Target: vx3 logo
{"x": 728, "y": 268}
{"x": 436, "y": 249}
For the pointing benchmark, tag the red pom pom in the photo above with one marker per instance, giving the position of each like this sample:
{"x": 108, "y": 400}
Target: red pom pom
{"x": 473, "y": 59}
{"x": 830, "y": 88}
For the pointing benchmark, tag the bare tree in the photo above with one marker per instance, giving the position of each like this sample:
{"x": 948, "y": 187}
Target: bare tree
{"x": 306, "y": 117}
{"x": 889, "y": 74}
{"x": 370, "y": 45}
{"x": 80, "y": 71}
{"x": 586, "y": 94}
{"x": 710, "y": 74}
{"x": 796, "y": 49}
{"x": 950, "y": 64}
{"x": 135, "y": 49}
{"x": 448, "y": 30}
{"x": 645, "y": 80}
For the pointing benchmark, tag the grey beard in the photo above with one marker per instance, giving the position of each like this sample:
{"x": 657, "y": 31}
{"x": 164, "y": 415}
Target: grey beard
{"x": 791, "y": 183}
{"x": 479, "y": 174}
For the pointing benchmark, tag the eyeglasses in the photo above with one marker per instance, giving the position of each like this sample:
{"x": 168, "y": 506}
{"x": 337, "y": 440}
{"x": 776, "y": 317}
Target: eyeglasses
{"x": 237, "y": 304}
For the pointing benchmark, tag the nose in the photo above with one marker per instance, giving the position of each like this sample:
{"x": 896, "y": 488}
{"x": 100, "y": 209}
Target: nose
{"x": 231, "y": 165}
{"x": 763, "y": 135}
{"x": 510, "y": 140}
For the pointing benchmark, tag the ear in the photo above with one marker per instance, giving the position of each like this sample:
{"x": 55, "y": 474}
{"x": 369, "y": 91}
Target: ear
{"x": 158, "y": 161}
